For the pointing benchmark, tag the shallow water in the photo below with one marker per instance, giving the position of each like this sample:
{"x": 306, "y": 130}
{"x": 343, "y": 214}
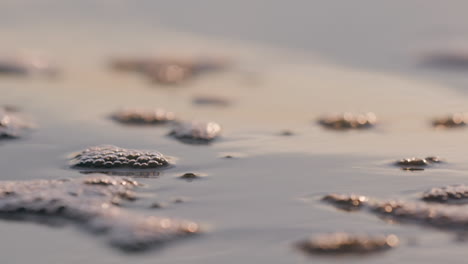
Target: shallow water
{"x": 256, "y": 205}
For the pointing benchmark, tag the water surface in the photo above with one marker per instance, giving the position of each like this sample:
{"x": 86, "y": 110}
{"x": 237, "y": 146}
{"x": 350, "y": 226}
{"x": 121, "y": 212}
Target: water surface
{"x": 294, "y": 62}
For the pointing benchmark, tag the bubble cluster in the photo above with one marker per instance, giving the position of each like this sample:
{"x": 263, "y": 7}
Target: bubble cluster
{"x": 27, "y": 65}
{"x": 437, "y": 216}
{"x": 93, "y": 204}
{"x": 196, "y": 131}
{"x": 346, "y": 202}
{"x": 112, "y": 157}
{"x": 142, "y": 116}
{"x": 347, "y": 121}
{"x": 169, "y": 70}
{"x": 417, "y": 163}
{"x": 457, "y": 194}
{"x": 451, "y": 121}
{"x": 433, "y": 215}
{"x": 11, "y": 124}
{"x": 347, "y": 243}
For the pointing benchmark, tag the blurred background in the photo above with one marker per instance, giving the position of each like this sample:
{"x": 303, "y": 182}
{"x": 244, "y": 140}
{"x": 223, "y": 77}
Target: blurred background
{"x": 375, "y": 36}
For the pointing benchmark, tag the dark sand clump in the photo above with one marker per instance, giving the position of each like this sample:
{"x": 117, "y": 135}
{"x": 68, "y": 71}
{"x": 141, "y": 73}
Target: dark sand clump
{"x": 211, "y": 100}
{"x": 190, "y": 176}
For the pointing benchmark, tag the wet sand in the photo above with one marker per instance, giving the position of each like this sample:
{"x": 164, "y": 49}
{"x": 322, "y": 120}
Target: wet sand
{"x": 260, "y": 202}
